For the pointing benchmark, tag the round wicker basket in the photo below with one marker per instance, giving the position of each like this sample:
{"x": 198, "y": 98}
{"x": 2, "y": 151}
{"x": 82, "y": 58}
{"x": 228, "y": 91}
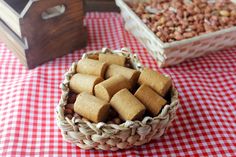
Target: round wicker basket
{"x": 88, "y": 135}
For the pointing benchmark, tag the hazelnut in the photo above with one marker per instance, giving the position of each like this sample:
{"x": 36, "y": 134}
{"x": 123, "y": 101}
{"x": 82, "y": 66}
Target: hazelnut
{"x": 193, "y": 27}
{"x": 71, "y": 97}
{"x": 170, "y": 24}
{"x": 224, "y": 13}
{"x": 190, "y": 19}
{"x": 70, "y": 106}
{"x": 156, "y": 24}
{"x": 233, "y": 13}
{"x": 224, "y": 20}
{"x": 162, "y": 20}
{"x": 117, "y": 120}
{"x": 188, "y": 35}
{"x": 207, "y": 10}
{"x": 197, "y": 10}
{"x": 165, "y": 6}
{"x": 163, "y": 38}
{"x": 68, "y": 111}
{"x": 178, "y": 36}
{"x": 200, "y": 28}
{"x": 159, "y": 34}
{"x": 200, "y": 16}
{"x": 172, "y": 35}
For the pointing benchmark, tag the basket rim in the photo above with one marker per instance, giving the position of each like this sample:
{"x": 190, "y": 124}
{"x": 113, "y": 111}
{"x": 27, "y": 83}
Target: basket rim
{"x": 61, "y": 119}
{"x": 123, "y": 5}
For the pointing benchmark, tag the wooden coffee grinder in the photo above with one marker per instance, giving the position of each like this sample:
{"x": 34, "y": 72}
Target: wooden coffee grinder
{"x": 37, "y": 31}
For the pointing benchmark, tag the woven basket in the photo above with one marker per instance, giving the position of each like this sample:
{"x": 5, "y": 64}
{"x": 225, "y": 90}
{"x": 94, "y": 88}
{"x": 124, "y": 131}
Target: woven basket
{"x": 88, "y": 135}
{"x": 167, "y": 54}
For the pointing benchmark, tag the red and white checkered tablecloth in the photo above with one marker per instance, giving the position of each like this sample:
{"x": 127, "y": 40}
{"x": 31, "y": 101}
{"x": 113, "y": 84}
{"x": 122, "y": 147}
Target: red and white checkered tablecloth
{"x": 206, "y": 122}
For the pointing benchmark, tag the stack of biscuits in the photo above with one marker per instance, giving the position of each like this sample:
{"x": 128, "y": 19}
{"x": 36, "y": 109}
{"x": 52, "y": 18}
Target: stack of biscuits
{"x": 105, "y": 89}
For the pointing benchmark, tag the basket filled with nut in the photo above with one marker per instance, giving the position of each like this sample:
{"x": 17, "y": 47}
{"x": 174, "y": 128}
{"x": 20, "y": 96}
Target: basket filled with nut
{"x": 176, "y": 30}
{"x": 110, "y": 101}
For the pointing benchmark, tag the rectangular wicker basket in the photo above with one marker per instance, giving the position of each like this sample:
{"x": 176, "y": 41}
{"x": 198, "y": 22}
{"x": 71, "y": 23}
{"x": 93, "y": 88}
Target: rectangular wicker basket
{"x": 167, "y": 54}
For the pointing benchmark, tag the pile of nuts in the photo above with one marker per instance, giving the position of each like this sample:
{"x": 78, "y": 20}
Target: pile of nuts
{"x": 174, "y": 20}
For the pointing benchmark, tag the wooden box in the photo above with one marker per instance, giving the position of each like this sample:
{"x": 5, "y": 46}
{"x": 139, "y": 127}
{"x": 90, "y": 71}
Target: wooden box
{"x": 37, "y": 31}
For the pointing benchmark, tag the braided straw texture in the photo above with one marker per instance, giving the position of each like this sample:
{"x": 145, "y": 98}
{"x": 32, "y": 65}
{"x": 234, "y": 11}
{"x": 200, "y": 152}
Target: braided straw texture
{"x": 88, "y": 135}
{"x": 173, "y": 53}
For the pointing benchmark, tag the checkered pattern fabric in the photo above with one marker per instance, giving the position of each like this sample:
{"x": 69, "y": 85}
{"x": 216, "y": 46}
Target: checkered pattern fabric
{"x": 205, "y": 123}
